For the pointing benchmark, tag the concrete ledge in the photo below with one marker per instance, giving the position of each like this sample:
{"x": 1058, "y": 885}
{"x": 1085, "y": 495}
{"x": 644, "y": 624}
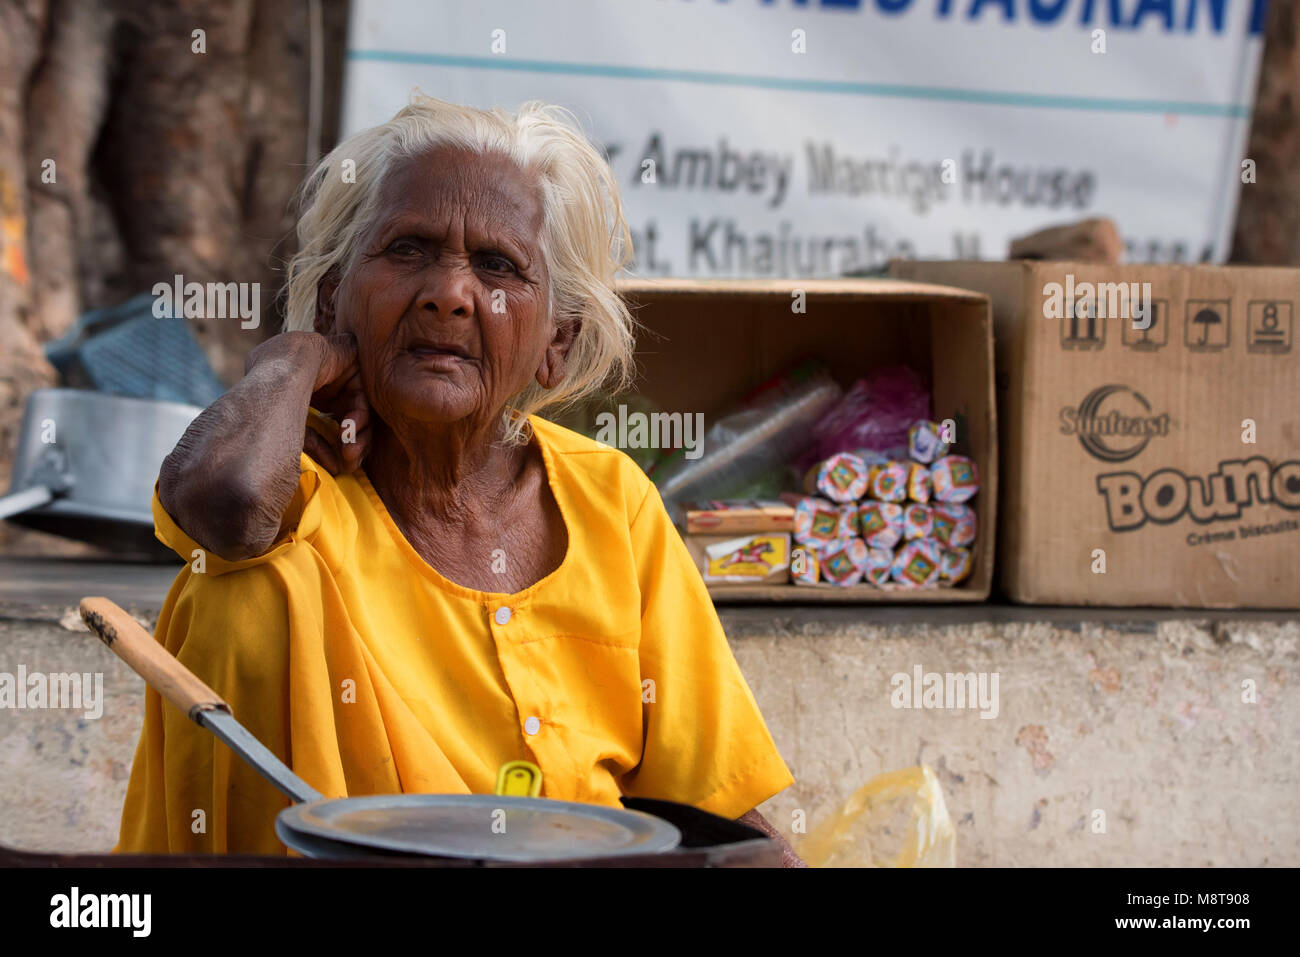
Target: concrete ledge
{"x": 1148, "y": 727}
{"x": 1135, "y": 713}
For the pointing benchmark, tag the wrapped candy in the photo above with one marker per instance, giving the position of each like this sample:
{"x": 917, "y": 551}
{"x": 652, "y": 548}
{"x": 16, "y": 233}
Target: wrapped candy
{"x": 918, "y": 522}
{"x": 944, "y": 523}
{"x": 817, "y": 522}
{"x": 880, "y": 523}
{"x": 841, "y": 478}
{"x": 954, "y": 524}
{"x": 889, "y": 482}
{"x": 805, "y": 567}
{"x": 842, "y": 564}
{"x": 849, "y": 527}
{"x": 954, "y": 479}
{"x": 918, "y": 482}
{"x": 925, "y": 442}
{"x": 877, "y": 566}
{"x": 917, "y": 563}
{"x": 954, "y": 564}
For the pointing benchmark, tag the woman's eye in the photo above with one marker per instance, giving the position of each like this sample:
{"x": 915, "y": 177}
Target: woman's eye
{"x": 498, "y": 264}
{"x": 404, "y": 247}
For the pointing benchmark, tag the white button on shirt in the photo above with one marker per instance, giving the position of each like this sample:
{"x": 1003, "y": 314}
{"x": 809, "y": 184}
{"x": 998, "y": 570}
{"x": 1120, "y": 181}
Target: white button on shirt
{"x": 532, "y": 725}
{"x": 503, "y": 615}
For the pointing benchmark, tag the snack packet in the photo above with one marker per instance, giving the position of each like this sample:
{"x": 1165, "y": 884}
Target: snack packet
{"x": 954, "y": 524}
{"x": 925, "y": 442}
{"x": 954, "y": 565}
{"x": 880, "y": 523}
{"x": 876, "y": 569}
{"x": 817, "y": 522}
{"x": 918, "y": 483}
{"x": 841, "y": 478}
{"x": 888, "y": 482}
{"x": 954, "y": 479}
{"x": 843, "y": 563}
{"x": 918, "y": 522}
{"x": 917, "y": 563}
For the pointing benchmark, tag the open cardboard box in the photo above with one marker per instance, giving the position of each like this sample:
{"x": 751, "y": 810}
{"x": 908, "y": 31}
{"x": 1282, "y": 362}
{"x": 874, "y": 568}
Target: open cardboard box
{"x": 705, "y": 343}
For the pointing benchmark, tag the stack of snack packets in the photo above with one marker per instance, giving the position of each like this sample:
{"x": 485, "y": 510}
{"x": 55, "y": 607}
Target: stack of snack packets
{"x": 891, "y": 520}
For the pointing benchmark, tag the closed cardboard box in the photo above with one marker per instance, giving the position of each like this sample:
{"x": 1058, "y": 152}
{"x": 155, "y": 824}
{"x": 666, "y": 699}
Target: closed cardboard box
{"x": 1150, "y": 456}
{"x": 737, "y": 516}
{"x": 705, "y": 343}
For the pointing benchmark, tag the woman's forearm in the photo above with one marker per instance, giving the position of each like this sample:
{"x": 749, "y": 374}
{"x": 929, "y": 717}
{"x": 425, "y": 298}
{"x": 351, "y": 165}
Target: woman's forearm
{"x": 233, "y": 474}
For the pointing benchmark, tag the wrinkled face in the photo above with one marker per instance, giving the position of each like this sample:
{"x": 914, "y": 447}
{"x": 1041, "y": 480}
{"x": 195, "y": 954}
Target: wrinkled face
{"x": 447, "y": 295}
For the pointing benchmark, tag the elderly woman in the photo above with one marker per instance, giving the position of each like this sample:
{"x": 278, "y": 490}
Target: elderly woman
{"x": 400, "y": 576}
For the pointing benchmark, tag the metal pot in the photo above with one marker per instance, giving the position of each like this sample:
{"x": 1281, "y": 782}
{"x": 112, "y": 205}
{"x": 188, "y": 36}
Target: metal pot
{"x": 87, "y": 463}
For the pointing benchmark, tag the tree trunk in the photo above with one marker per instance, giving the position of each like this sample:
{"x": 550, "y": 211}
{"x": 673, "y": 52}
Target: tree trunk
{"x": 1268, "y": 218}
{"x": 128, "y": 157}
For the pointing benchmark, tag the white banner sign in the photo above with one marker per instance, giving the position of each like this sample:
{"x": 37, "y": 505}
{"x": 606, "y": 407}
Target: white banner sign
{"x": 819, "y": 137}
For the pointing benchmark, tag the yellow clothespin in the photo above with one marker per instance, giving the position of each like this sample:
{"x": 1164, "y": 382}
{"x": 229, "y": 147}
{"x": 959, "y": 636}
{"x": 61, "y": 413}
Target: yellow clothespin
{"x": 519, "y": 779}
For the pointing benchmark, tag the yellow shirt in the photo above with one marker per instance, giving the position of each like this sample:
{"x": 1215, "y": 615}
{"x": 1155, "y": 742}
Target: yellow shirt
{"x": 368, "y": 672}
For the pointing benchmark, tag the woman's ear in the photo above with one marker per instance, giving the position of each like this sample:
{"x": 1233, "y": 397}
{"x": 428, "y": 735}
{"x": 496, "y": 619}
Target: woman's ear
{"x": 551, "y": 372}
{"x": 326, "y": 294}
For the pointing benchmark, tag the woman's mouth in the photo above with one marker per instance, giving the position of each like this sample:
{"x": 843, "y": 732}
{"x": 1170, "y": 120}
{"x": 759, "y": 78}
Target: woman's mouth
{"x": 438, "y": 353}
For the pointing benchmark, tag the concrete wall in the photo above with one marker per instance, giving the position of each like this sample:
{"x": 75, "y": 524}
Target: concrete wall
{"x": 1142, "y": 719}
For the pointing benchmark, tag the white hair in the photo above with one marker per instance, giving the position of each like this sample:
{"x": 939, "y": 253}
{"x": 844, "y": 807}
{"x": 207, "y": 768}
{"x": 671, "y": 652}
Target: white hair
{"x": 585, "y": 238}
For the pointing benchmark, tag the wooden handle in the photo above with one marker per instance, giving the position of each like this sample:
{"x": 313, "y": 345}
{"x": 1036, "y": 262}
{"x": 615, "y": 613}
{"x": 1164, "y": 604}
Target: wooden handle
{"x": 150, "y": 660}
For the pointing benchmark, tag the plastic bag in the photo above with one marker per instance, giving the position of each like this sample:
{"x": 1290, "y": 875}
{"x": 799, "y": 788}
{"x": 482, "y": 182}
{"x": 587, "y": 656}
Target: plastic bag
{"x": 874, "y": 414}
{"x": 898, "y": 819}
{"x": 747, "y": 451}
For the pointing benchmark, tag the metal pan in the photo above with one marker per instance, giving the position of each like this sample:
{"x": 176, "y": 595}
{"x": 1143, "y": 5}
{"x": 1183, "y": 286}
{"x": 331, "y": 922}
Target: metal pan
{"x": 480, "y": 827}
{"x": 477, "y": 827}
{"x": 86, "y": 466}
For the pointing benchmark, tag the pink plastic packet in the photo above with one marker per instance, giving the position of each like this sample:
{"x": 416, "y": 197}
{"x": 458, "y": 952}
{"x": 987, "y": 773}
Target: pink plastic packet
{"x": 876, "y": 413}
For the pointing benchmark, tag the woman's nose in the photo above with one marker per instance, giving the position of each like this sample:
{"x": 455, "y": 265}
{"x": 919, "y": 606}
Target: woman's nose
{"x": 448, "y": 290}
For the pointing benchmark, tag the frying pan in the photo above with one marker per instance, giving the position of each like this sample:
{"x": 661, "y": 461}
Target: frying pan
{"x": 467, "y": 826}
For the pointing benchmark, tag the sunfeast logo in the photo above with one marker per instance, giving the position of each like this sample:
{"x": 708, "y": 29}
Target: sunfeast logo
{"x": 1114, "y": 423}
{"x": 1167, "y": 495}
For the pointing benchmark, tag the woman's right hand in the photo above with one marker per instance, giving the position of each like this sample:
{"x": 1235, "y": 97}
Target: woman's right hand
{"x": 336, "y": 391}
{"x": 339, "y": 393}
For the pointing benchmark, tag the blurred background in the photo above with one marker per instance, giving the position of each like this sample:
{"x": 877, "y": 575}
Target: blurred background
{"x": 144, "y": 139}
